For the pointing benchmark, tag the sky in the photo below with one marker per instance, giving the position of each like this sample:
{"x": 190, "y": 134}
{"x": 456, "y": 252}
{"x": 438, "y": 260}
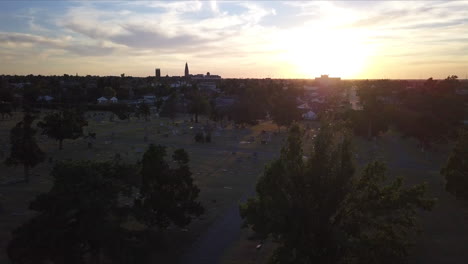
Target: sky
{"x": 236, "y": 39}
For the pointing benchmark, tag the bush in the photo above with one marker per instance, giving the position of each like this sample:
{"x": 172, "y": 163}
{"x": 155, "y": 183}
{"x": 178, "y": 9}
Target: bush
{"x": 199, "y": 137}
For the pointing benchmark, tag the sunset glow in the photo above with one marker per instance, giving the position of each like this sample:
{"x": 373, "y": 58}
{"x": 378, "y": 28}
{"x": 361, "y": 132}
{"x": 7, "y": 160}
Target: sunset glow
{"x": 383, "y": 39}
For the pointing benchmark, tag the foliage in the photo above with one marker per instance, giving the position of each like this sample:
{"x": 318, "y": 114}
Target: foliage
{"x": 199, "y": 105}
{"x": 456, "y": 168}
{"x": 169, "y": 107}
{"x": 284, "y": 110}
{"x": 143, "y": 110}
{"x": 108, "y": 92}
{"x": 24, "y": 148}
{"x": 64, "y": 124}
{"x": 77, "y": 218}
{"x": 320, "y": 211}
{"x": 199, "y": 137}
{"x": 167, "y": 195}
{"x": 84, "y": 218}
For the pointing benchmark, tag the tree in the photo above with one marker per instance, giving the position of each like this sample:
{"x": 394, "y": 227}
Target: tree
{"x": 167, "y": 195}
{"x": 108, "y": 92}
{"x": 284, "y": 110}
{"x": 455, "y": 170}
{"x": 373, "y": 113}
{"x": 169, "y": 107}
{"x": 319, "y": 211}
{"x": 143, "y": 110}
{"x": 122, "y": 111}
{"x": 65, "y": 124}
{"x": 199, "y": 105}
{"x": 24, "y": 148}
{"x": 79, "y": 218}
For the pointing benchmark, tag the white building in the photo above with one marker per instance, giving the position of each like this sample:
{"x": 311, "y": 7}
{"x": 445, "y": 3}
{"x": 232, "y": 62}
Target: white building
{"x": 102, "y": 100}
{"x": 45, "y": 98}
{"x": 114, "y": 100}
{"x": 309, "y": 116}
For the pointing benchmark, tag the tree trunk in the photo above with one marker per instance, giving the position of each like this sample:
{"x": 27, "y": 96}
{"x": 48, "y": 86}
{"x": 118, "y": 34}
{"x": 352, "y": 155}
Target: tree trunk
{"x": 196, "y": 117}
{"x": 279, "y": 129}
{"x": 26, "y": 173}
{"x": 60, "y": 144}
{"x": 369, "y": 130}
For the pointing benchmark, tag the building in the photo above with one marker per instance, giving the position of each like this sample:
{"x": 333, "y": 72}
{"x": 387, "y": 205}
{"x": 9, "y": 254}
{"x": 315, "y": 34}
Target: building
{"x": 114, "y": 100}
{"x": 324, "y": 80}
{"x": 157, "y": 73}
{"x": 102, "y": 100}
{"x": 187, "y": 74}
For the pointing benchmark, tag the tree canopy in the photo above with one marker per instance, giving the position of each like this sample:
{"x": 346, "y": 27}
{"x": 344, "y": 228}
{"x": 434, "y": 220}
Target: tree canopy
{"x": 455, "y": 170}
{"x": 84, "y": 218}
{"x": 168, "y": 195}
{"x": 64, "y": 124}
{"x": 321, "y": 211}
{"x": 24, "y": 149}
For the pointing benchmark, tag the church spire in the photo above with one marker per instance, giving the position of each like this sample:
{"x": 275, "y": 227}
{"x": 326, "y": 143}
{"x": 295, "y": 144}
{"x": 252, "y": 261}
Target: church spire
{"x": 186, "y": 70}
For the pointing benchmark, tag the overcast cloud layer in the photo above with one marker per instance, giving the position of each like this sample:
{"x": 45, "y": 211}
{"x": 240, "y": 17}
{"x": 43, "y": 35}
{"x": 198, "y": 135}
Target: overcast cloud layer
{"x": 384, "y": 39}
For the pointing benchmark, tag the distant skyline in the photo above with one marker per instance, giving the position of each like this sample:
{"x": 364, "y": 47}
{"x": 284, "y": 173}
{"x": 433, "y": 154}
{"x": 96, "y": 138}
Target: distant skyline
{"x": 236, "y": 39}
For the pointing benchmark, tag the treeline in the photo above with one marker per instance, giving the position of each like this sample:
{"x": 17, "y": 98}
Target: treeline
{"x": 431, "y": 112}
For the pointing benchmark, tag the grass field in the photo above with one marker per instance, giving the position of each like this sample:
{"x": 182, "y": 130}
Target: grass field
{"x": 225, "y": 179}
{"x": 444, "y": 236}
{"x": 225, "y": 169}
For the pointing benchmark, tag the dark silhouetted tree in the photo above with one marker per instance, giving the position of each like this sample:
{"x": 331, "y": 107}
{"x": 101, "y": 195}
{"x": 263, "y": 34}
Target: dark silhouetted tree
{"x": 143, "y": 110}
{"x": 79, "y": 218}
{"x": 319, "y": 211}
{"x": 284, "y": 110}
{"x": 455, "y": 170}
{"x": 167, "y": 195}
{"x": 65, "y": 124}
{"x": 24, "y": 148}
{"x": 199, "y": 105}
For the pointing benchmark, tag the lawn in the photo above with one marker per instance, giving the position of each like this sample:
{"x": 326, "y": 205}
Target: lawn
{"x": 225, "y": 169}
{"x": 444, "y": 236}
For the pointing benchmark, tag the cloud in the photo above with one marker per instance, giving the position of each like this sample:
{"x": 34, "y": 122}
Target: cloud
{"x": 65, "y": 43}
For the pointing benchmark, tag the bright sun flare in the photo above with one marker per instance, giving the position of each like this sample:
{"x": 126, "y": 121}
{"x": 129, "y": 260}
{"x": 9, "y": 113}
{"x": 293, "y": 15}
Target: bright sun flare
{"x": 334, "y": 52}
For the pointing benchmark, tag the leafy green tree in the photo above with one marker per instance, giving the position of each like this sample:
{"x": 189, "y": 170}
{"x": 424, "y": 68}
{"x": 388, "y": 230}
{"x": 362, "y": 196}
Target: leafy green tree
{"x": 78, "y": 218}
{"x": 167, "y": 195}
{"x": 24, "y": 148}
{"x": 320, "y": 211}
{"x": 456, "y": 168}
{"x": 65, "y": 124}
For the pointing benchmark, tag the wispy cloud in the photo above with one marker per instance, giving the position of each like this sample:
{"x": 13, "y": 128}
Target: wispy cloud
{"x": 223, "y": 34}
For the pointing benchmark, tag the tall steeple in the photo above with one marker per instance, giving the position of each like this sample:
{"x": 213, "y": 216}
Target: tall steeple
{"x": 186, "y": 70}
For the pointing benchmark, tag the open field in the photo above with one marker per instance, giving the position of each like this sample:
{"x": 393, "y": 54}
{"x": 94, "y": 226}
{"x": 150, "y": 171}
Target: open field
{"x": 224, "y": 177}
{"x": 444, "y": 236}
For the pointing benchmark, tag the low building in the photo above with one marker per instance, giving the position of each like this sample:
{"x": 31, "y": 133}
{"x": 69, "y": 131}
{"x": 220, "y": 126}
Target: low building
{"x": 45, "y": 98}
{"x": 102, "y": 100}
{"x": 325, "y": 80}
{"x": 114, "y": 100}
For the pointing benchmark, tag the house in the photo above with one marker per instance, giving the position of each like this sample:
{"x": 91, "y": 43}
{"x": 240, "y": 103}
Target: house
{"x": 102, "y": 100}
{"x": 309, "y": 116}
{"x": 114, "y": 100}
{"x": 149, "y": 99}
{"x": 304, "y": 106}
{"x": 45, "y": 98}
